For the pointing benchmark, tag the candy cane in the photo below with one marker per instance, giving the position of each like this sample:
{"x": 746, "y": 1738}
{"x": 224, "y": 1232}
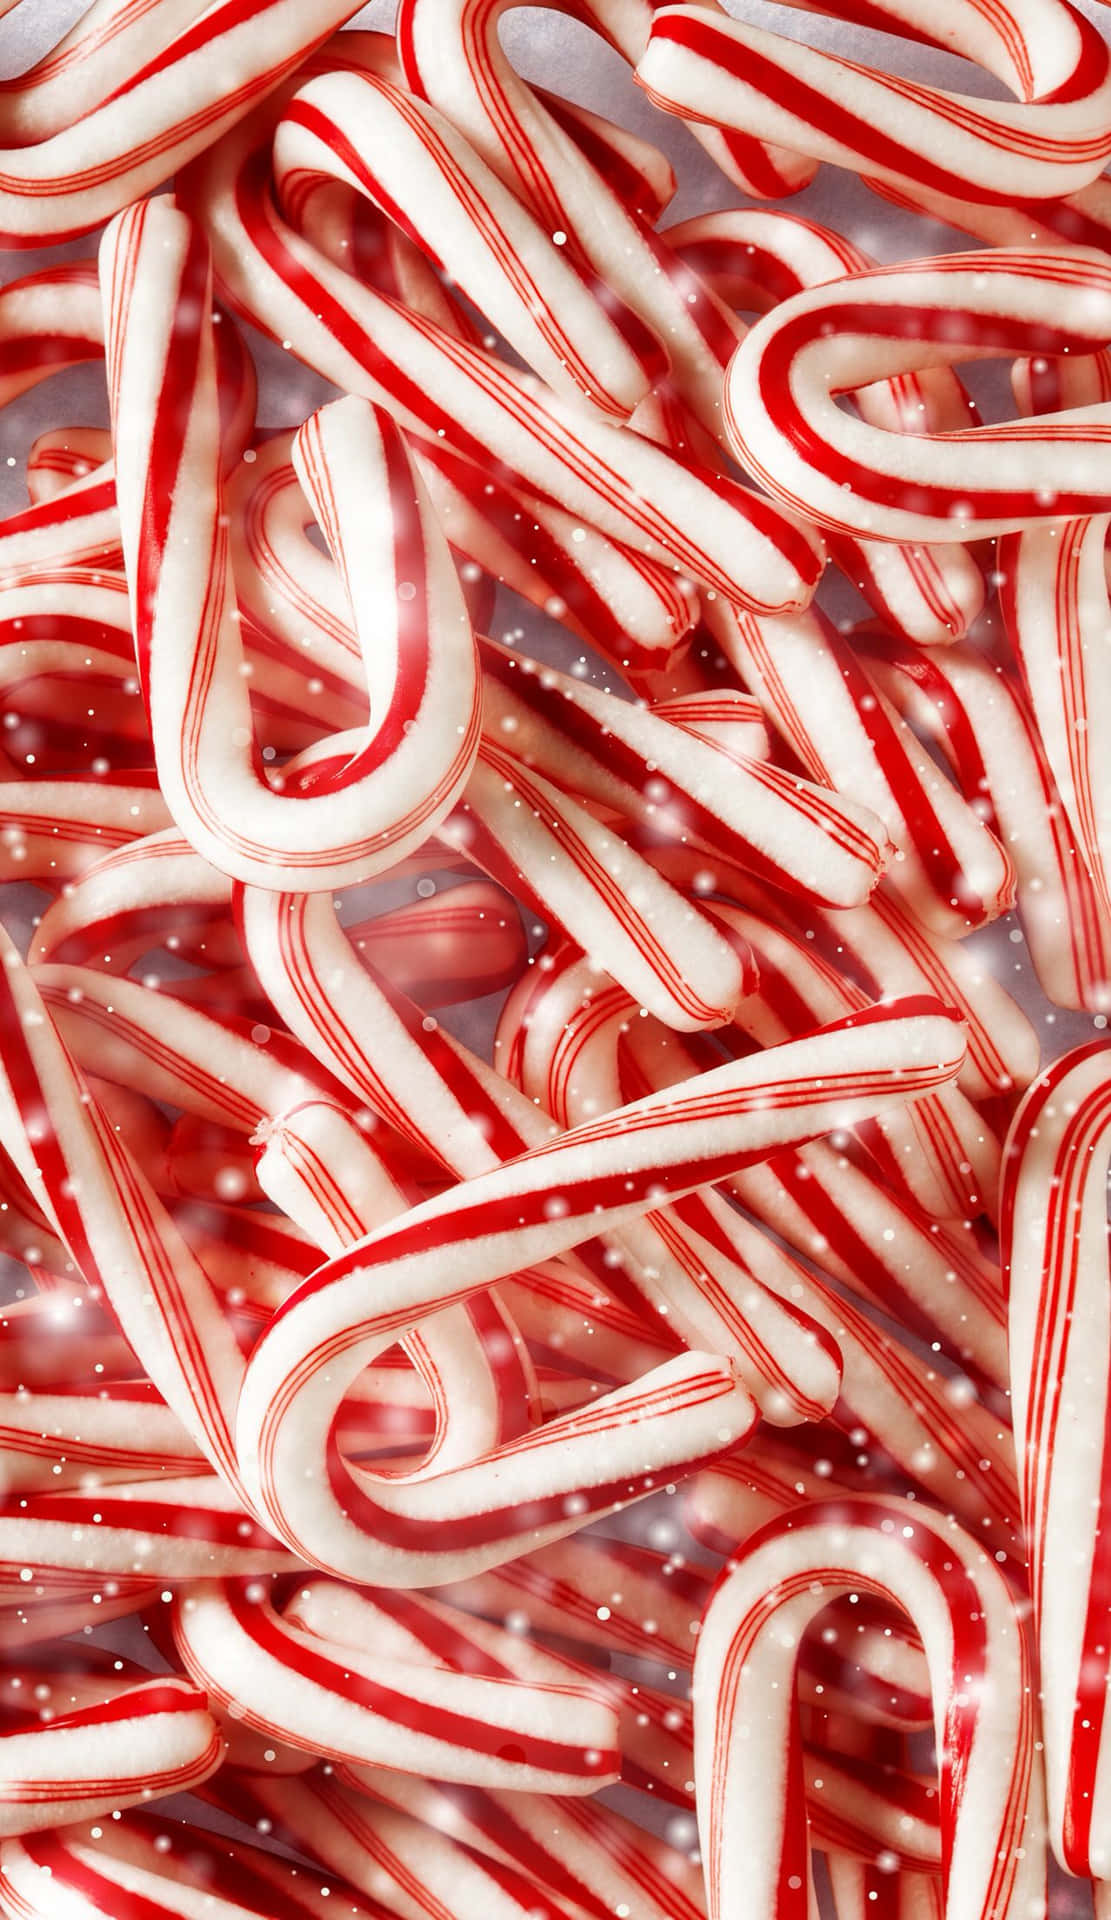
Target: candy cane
{"x": 426, "y": 1629}
{"x": 415, "y": 1872}
{"x": 53, "y": 829}
{"x": 163, "y": 400}
{"x": 174, "y": 1325}
{"x": 750, "y": 1793}
{"x": 896, "y": 131}
{"x": 146, "y": 1740}
{"x": 524, "y": 830}
{"x": 653, "y": 1728}
{"x": 841, "y": 1216}
{"x": 120, "y": 1235}
{"x": 297, "y": 1686}
{"x": 634, "y": 492}
{"x": 949, "y": 1446}
{"x": 976, "y": 712}
{"x": 575, "y": 1850}
{"x": 418, "y": 169}
{"x": 122, "y": 135}
{"x": 683, "y": 1260}
{"x": 1055, "y": 604}
{"x": 548, "y": 170}
{"x": 794, "y": 835}
{"x": 845, "y": 1218}
{"x": 887, "y": 950}
{"x": 939, "y": 1156}
{"x": 753, "y": 258}
{"x": 783, "y": 382}
{"x": 634, "y": 610}
{"x": 319, "y": 1167}
{"x": 629, "y": 1158}
{"x": 951, "y": 870}
{"x": 1054, "y": 1231}
{"x": 160, "y": 1529}
{"x": 114, "y": 1431}
{"x": 859, "y": 1889}
{"x": 167, "y": 1870}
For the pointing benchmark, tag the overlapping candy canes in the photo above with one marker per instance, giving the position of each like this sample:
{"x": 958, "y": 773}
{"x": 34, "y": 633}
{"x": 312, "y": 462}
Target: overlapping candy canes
{"x": 308, "y": 1286}
{"x": 122, "y": 102}
{"x": 1055, "y": 138}
{"x": 783, "y": 385}
{"x": 1054, "y": 1225}
{"x": 531, "y": 1209}
{"x": 746, "y": 1756}
{"x": 399, "y": 578}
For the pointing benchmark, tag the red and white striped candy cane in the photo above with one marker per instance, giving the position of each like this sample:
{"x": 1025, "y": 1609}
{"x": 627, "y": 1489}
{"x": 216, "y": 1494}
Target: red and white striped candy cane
{"x": 121, "y": 1030}
{"x": 1054, "y": 598}
{"x": 78, "y": 527}
{"x": 785, "y": 378}
{"x": 48, "y": 320}
{"x": 753, "y": 259}
{"x": 352, "y": 1704}
{"x": 804, "y": 839}
{"x": 419, "y": 169}
{"x": 635, "y": 611}
{"x": 941, "y": 1438}
{"x": 886, "y": 950}
{"x": 63, "y": 454}
{"x": 453, "y": 52}
{"x": 461, "y": 942}
{"x": 955, "y": 1450}
{"x": 1053, "y": 140}
{"x": 124, "y": 118}
{"x": 120, "y": 1236}
{"x": 93, "y": 1432}
{"x": 134, "y": 1744}
{"x": 951, "y": 870}
{"x": 535, "y": 838}
{"x": 1055, "y": 1249}
{"x": 845, "y": 1217}
{"x": 265, "y": 1088}
{"x": 653, "y": 1728}
{"x": 669, "y": 509}
{"x": 844, "y": 1211}
{"x": 682, "y": 1258}
{"x": 750, "y": 1789}
{"x": 113, "y": 1542}
{"x": 940, "y": 1155}
{"x": 51, "y": 830}
{"x": 863, "y": 1890}
{"x": 371, "y": 798}
{"x": 579, "y": 1851}
{"x": 441, "y": 1096}
{"x": 167, "y": 1870}
{"x": 414, "y": 1871}
{"x": 634, "y": 608}
{"x": 605, "y": 1593}
{"x": 548, "y": 1201}
{"x": 543, "y": 165}
{"x": 322, "y": 1171}
{"x": 975, "y": 709}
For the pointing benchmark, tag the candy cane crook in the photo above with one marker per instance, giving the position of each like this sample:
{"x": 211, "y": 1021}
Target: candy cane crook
{"x": 747, "y": 1759}
{"x": 787, "y": 429}
{"x": 1055, "y": 140}
{"x": 360, "y": 803}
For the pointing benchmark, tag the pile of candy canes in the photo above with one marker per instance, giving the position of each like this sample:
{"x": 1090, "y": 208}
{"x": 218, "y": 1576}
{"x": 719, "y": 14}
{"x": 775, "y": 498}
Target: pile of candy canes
{"x": 335, "y": 1350}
